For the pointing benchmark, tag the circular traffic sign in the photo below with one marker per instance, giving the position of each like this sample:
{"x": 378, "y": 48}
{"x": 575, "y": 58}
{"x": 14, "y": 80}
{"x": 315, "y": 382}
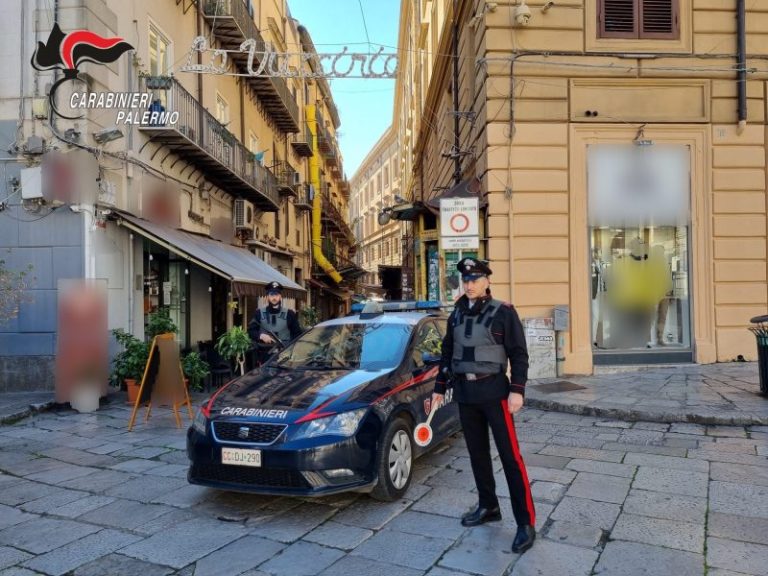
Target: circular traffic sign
{"x": 459, "y": 222}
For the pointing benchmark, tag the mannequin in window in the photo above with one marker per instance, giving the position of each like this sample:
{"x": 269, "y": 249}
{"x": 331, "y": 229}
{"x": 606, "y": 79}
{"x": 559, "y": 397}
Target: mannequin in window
{"x": 639, "y": 280}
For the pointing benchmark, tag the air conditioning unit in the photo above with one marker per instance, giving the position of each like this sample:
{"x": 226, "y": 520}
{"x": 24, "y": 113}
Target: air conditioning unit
{"x": 296, "y": 179}
{"x": 243, "y": 214}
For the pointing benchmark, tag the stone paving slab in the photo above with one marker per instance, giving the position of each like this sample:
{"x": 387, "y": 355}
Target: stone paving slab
{"x": 636, "y": 559}
{"x": 659, "y": 532}
{"x": 741, "y": 557}
{"x": 548, "y": 557}
{"x": 658, "y": 495}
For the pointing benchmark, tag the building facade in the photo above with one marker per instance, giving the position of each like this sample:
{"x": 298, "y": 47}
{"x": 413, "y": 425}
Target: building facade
{"x": 193, "y": 211}
{"x": 618, "y": 153}
{"x": 375, "y": 191}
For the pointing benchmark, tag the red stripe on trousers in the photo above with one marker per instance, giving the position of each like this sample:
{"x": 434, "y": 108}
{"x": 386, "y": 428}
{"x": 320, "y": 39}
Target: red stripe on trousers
{"x": 519, "y": 460}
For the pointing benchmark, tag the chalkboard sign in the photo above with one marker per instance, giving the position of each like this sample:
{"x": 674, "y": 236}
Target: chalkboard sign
{"x": 163, "y": 380}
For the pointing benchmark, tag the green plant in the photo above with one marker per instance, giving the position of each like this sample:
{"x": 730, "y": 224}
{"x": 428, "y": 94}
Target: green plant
{"x": 309, "y": 316}
{"x": 195, "y": 368}
{"x": 130, "y": 362}
{"x": 160, "y": 323}
{"x": 233, "y": 345}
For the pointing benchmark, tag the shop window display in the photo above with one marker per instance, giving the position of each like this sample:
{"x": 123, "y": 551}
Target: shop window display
{"x": 639, "y": 216}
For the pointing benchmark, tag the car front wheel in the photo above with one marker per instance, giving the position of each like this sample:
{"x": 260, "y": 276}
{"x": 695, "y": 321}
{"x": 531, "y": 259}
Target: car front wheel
{"x": 395, "y": 462}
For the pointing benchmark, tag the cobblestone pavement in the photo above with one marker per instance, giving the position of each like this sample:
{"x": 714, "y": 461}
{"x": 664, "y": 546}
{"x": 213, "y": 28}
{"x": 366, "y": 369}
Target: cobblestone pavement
{"x": 81, "y": 495}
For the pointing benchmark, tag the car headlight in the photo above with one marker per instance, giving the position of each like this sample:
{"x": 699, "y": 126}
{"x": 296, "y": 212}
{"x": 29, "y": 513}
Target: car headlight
{"x": 344, "y": 424}
{"x": 199, "y": 422}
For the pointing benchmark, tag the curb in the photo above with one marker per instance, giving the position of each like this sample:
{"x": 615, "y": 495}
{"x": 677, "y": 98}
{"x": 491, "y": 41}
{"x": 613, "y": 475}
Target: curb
{"x": 630, "y": 415}
{"x": 12, "y": 417}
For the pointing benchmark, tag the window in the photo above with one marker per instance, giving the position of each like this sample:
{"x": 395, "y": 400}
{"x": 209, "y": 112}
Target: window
{"x": 428, "y": 341}
{"x": 378, "y": 183}
{"x": 159, "y": 52}
{"x": 386, "y": 177}
{"x": 641, "y": 19}
{"x": 253, "y": 142}
{"x": 277, "y": 224}
{"x": 396, "y": 246}
{"x": 222, "y": 109}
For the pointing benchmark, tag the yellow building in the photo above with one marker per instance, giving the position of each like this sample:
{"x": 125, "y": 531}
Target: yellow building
{"x": 195, "y": 210}
{"x": 375, "y": 191}
{"x": 620, "y": 164}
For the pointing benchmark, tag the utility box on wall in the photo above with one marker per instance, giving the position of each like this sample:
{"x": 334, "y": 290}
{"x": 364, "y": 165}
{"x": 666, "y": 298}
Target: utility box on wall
{"x": 540, "y": 339}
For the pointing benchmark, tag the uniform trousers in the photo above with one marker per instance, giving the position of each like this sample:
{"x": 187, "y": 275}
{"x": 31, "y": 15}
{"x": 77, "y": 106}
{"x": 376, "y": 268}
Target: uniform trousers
{"x": 475, "y": 420}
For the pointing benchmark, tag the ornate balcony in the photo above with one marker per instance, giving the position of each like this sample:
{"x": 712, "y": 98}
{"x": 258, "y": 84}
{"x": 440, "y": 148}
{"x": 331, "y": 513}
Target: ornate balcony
{"x": 302, "y": 142}
{"x": 232, "y": 24}
{"x": 199, "y": 138}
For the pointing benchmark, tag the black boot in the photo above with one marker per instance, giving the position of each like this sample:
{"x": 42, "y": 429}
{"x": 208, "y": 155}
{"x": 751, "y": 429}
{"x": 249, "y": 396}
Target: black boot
{"x": 523, "y": 539}
{"x": 481, "y": 516}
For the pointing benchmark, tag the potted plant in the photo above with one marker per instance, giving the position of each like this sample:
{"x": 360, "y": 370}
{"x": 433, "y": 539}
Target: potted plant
{"x": 195, "y": 369}
{"x": 309, "y": 316}
{"x": 160, "y": 323}
{"x": 128, "y": 365}
{"x": 156, "y": 81}
{"x": 233, "y": 345}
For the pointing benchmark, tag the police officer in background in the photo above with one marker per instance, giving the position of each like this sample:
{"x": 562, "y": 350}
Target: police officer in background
{"x": 277, "y": 320}
{"x": 483, "y": 335}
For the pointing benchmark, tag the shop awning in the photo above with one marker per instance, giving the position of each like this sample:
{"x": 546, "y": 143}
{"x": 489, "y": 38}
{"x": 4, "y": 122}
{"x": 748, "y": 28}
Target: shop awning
{"x": 339, "y": 293}
{"x": 247, "y": 272}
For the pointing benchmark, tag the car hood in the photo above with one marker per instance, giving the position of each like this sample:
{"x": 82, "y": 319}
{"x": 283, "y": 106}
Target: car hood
{"x": 287, "y": 395}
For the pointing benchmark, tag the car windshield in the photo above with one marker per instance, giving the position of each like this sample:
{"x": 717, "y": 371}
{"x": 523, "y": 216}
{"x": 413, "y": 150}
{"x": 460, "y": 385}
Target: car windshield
{"x": 363, "y": 346}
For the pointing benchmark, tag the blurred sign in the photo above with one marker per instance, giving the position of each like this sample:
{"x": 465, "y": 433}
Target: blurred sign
{"x": 82, "y": 357}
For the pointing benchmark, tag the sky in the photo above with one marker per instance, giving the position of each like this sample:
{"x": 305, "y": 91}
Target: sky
{"x": 365, "y": 105}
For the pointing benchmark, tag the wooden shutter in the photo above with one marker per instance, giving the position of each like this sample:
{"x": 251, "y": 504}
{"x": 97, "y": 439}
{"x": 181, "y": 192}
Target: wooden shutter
{"x": 660, "y": 19}
{"x": 652, "y": 19}
{"x": 618, "y": 18}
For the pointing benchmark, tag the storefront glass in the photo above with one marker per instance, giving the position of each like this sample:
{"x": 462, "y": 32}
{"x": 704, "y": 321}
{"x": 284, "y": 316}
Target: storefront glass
{"x": 638, "y": 217}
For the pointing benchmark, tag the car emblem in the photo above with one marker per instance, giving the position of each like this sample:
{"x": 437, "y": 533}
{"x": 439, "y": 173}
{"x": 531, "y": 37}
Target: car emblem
{"x": 243, "y": 432}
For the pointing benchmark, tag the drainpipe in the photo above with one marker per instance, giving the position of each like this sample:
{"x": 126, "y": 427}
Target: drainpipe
{"x": 456, "y": 127}
{"x": 317, "y": 201}
{"x": 741, "y": 34}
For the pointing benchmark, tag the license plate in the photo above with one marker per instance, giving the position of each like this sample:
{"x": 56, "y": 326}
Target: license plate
{"x": 240, "y": 457}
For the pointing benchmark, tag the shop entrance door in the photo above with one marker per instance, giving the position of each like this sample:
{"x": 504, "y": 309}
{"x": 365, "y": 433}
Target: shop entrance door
{"x": 639, "y": 198}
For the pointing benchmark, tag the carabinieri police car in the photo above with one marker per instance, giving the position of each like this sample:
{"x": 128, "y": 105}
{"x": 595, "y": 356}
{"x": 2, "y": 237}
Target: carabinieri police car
{"x": 334, "y": 411}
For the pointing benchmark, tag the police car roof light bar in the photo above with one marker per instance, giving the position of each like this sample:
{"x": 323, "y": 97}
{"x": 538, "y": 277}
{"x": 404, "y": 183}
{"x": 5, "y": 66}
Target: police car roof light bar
{"x": 396, "y": 306}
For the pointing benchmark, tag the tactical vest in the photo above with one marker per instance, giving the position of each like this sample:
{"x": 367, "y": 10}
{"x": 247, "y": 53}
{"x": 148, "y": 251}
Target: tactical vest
{"x": 475, "y": 351}
{"x": 276, "y": 323}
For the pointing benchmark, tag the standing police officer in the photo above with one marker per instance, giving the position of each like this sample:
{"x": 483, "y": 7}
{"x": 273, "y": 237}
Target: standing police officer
{"x": 483, "y": 335}
{"x": 281, "y": 322}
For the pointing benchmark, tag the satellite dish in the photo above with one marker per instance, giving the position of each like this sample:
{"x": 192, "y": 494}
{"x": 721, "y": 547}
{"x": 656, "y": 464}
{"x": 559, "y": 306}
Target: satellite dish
{"x": 384, "y": 218}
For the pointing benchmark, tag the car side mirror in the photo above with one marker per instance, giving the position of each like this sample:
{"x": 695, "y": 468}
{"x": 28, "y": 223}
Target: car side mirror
{"x": 430, "y": 359}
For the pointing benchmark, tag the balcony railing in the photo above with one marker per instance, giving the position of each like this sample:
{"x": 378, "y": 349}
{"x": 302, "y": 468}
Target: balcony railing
{"x": 302, "y": 142}
{"x": 200, "y": 138}
{"x": 333, "y": 216}
{"x": 303, "y": 199}
{"x": 287, "y": 178}
{"x": 232, "y": 24}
